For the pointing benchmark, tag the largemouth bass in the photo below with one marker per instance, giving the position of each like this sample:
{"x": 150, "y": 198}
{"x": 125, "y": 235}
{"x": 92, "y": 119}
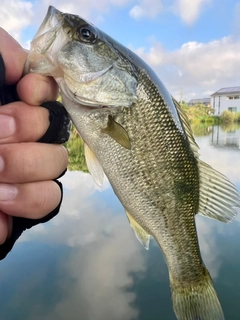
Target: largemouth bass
{"x": 136, "y": 133}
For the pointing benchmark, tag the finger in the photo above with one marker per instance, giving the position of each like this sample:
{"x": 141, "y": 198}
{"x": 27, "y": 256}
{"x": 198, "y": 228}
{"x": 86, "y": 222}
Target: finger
{"x": 31, "y": 200}
{"x": 28, "y": 162}
{"x": 20, "y": 122}
{"x": 35, "y": 89}
{"x": 14, "y": 57}
{"x": 3, "y": 227}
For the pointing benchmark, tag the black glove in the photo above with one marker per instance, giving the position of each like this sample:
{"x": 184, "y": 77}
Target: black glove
{"x": 58, "y": 132}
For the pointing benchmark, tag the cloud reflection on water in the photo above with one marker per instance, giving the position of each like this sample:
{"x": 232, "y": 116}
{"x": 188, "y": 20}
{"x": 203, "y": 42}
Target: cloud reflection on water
{"x": 224, "y": 160}
{"x": 207, "y": 235}
{"x": 104, "y": 253}
{"x": 96, "y": 255}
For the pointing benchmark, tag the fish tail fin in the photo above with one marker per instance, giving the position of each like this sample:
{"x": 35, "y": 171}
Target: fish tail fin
{"x": 196, "y": 301}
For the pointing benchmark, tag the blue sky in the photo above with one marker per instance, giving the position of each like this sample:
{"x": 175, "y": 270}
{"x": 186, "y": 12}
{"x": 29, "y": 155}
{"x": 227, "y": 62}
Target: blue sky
{"x": 192, "y": 45}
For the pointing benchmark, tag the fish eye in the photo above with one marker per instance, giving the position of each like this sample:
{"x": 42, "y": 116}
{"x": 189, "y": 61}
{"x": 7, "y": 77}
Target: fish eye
{"x": 87, "y": 34}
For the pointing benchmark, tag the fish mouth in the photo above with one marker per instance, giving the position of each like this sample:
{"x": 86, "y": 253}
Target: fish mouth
{"x": 49, "y": 29}
{"x": 44, "y": 42}
{"x": 44, "y": 47}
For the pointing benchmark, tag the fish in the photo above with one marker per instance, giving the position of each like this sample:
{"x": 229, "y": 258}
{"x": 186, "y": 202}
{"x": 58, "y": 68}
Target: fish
{"x": 136, "y": 134}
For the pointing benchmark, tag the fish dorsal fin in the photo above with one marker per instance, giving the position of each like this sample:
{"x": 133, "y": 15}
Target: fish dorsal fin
{"x": 140, "y": 233}
{"x": 219, "y": 198}
{"x": 93, "y": 165}
{"x": 117, "y": 132}
{"x": 187, "y": 127}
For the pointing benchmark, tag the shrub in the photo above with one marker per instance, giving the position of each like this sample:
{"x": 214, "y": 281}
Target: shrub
{"x": 228, "y": 116}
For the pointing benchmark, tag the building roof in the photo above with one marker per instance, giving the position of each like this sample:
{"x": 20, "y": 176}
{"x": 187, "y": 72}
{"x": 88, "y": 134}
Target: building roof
{"x": 228, "y": 90}
{"x": 202, "y": 100}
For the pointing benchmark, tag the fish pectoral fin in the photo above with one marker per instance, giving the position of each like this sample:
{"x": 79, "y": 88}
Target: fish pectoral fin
{"x": 219, "y": 198}
{"x": 93, "y": 165}
{"x": 140, "y": 233}
{"x": 117, "y": 132}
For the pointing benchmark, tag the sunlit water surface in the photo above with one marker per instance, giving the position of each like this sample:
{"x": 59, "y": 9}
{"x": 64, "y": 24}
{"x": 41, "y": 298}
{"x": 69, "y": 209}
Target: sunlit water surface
{"x": 87, "y": 264}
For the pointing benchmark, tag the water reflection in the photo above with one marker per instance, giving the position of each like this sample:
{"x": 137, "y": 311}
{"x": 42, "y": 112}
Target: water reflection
{"x": 221, "y": 155}
{"x": 104, "y": 256}
{"x": 90, "y": 272}
{"x": 87, "y": 264}
{"x": 227, "y": 136}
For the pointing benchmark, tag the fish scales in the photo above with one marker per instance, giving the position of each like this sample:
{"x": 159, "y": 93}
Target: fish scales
{"x": 150, "y": 180}
{"x": 137, "y": 134}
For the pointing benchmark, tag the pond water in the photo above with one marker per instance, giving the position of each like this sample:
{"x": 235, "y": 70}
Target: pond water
{"x": 87, "y": 264}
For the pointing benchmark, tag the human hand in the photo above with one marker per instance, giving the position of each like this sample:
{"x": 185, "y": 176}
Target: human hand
{"x": 27, "y": 167}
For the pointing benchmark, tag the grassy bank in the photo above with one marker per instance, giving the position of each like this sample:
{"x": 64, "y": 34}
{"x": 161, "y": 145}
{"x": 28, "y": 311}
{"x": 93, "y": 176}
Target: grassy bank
{"x": 200, "y": 114}
{"x": 230, "y": 117}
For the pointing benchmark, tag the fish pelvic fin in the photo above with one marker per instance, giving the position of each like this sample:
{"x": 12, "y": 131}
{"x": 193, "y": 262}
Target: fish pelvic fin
{"x": 219, "y": 198}
{"x": 197, "y": 301}
{"x": 93, "y": 165}
{"x": 117, "y": 132}
{"x": 142, "y": 236}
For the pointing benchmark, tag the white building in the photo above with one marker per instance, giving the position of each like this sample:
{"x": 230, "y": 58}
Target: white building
{"x": 226, "y": 99}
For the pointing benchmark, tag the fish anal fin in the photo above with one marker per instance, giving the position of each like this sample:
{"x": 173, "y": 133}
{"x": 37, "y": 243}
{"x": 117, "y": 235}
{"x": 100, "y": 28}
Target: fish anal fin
{"x": 219, "y": 198}
{"x": 141, "y": 234}
{"x": 117, "y": 132}
{"x": 93, "y": 165}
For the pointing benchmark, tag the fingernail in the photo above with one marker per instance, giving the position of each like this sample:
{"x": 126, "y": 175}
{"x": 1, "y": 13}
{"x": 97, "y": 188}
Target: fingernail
{"x": 7, "y": 192}
{"x": 42, "y": 91}
{"x": 7, "y": 126}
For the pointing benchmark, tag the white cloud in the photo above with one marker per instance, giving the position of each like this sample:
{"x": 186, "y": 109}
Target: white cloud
{"x": 196, "y": 68}
{"x": 93, "y": 10}
{"x": 90, "y": 10}
{"x": 146, "y": 9}
{"x": 15, "y": 15}
{"x": 137, "y": 12}
{"x": 189, "y": 10}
